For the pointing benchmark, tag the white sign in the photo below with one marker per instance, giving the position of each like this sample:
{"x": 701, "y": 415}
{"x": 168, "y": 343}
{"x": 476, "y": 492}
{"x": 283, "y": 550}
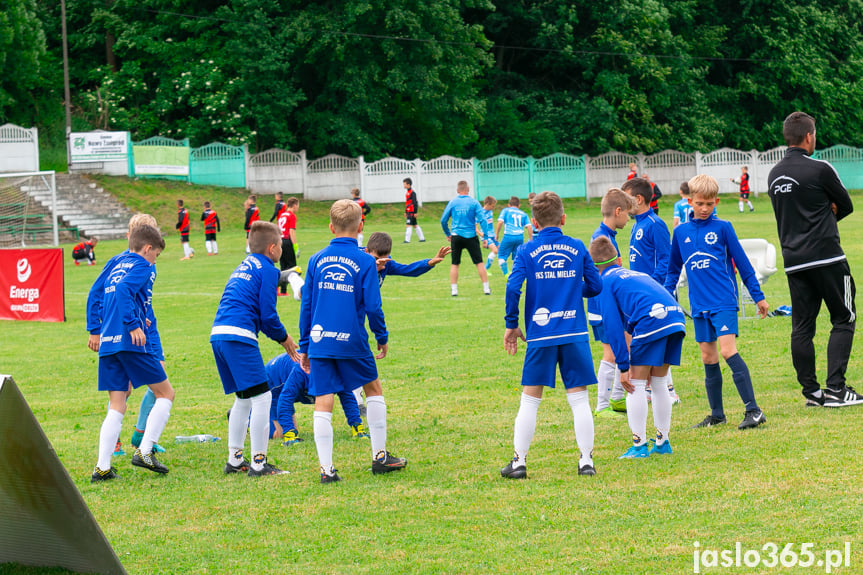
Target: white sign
{"x": 99, "y": 146}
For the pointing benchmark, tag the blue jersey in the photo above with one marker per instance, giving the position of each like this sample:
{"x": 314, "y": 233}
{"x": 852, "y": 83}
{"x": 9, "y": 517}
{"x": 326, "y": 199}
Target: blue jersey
{"x": 649, "y": 246}
{"x": 682, "y": 210}
{"x": 94, "y": 309}
{"x": 248, "y": 304}
{"x": 594, "y": 311}
{"x": 284, "y": 372}
{"x": 708, "y": 250}
{"x": 632, "y": 302}
{"x": 342, "y": 288}
{"x": 488, "y": 216}
{"x": 466, "y": 213}
{"x": 127, "y": 293}
{"x": 394, "y": 268}
{"x": 514, "y": 221}
{"x": 559, "y": 273}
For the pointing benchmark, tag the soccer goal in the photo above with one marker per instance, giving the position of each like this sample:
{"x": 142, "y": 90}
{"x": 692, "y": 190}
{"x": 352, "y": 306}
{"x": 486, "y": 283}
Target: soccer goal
{"x": 27, "y": 209}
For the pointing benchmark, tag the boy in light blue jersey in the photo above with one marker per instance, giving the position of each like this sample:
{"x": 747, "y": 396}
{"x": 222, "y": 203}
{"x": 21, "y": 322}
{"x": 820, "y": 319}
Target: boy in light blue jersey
{"x": 558, "y": 273}
{"x": 709, "y": 250}
{"x": 342, "y": 290}
{"x": 466, "y": 213}
{"x": 489, "y": 239}
{"x": 514, "y": 223}
{"x": 125, "y": 361}
{"x": 635, "y": 307}
{"x": 682, "y": 209}
{"x": 610, "y": 396}
{"x": 247, "y": 307}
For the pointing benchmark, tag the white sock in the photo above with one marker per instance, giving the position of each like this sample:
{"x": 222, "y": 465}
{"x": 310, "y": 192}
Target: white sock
{"x": 238, "y": 422}
{"x": 215, "y": 247}
{"x": 296, "y": 282}
{"x": 617, "y": 391}
{"x": 579, "y": 402}
{"x": 259, "y": 428}
{"x": 408, "y": 231}
{"x": 485, "y": 288}
{"x": 748, "y": 203}
{"x": 108, "y": 436}
{"x": 358, "y": 393}
{"x": 661, "y": 408}
{"x": 420, "y": 234}
{"x": 636, "y": 411}
{"x": 187, "y": 250}
{"x": 524, "y": 428}
{"x": 209, "y": 246}
{"x": 360, "y": 239}
{"x": 453, "y": 288}
{"x": 740, "y": 205}
{"x": 376, "y": 415}
{"x": 322, "y": 422}
{"x": 605, "y": 375}
{"x": 156, "y": 423}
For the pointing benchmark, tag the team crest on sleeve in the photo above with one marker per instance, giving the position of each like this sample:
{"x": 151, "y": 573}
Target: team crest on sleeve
{"x": 639, "y": 234}
{"x": 711, "y": 238}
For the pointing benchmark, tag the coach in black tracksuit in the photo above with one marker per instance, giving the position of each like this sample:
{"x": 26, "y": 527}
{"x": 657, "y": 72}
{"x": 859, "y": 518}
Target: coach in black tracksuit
{"x": 809, "y": 199}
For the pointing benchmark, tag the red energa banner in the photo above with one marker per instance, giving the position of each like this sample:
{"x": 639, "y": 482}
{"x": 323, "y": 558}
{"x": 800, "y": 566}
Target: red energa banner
{"x": 31, "y": 285}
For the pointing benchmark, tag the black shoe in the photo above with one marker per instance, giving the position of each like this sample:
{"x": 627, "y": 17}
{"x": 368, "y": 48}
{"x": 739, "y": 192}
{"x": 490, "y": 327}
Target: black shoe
{"x": 243, "y": 467}
{"x": 389, "y": 463}
{"x": 99, "y": 475}
{"x": 587, "y": 469}
{"x": 842, "y": 397}
{"x": 267, "y": 470}
{"x": 710, "y": 421}
{"x": 511, "y": 472}
{"x": 813, "y": 401}
{"x": 330, "y": 478}
{"x": 753, "y": 418}
{"x": 148, "y": 461}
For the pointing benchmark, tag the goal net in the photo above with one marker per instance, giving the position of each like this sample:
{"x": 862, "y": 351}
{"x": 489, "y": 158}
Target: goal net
{"x": 27, "y": 202}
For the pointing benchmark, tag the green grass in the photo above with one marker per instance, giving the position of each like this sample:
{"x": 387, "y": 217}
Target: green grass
{"x": 452, "y": 394}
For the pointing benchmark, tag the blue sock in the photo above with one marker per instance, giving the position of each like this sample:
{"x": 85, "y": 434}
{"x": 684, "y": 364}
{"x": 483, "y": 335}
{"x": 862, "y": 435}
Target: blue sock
{"x": 503, "y": 267}
{"x": 740, "y": 373}
{"x": 489, "y": 261}
{"x": 146, "y": 405}
{"x": 713, "y": 384}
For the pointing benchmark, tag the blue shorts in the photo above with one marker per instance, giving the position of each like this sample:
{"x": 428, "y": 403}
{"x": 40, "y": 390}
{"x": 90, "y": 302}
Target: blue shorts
{"x": 240, "y": 365}
{"x": 508, "y": 246}
{"x": 599, "y": 333}
{"x": 576, "y": 365}
{"x": 657, "y": 352}
{"x": 490, "y": 243}
{"x": 118, "y": 369}
{"x": 719, "y": 323}
{"x": 330, "y": 375}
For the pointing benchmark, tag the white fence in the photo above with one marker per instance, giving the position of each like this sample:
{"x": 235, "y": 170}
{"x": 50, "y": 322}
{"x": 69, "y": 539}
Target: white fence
{"x": 19, "y": 149}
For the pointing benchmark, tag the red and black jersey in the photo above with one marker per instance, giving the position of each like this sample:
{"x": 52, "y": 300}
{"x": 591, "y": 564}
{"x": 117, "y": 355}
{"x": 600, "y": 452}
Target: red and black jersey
{"x": 280, "y": 207}
{"x": 632, "y": 175}
{"x": 287, "y": 222}
{"x": 183, "y": 221}
{"x": 252, "y": 216}
{"x": 744, "y": 183}
{"x": 82, "y": 248}
{"x": 211, "y": 221}
{"x": 410, "y": 201}
{"x": 364, "y": 206}
{"x": 654, "y": 202}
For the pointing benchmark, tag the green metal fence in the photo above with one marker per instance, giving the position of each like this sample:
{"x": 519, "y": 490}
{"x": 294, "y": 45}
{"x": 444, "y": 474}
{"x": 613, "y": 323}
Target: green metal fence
{"x": 504, "y": 176}
{"x": 562, "y": 174}
{"x": 848, "y": 162}
{"x": 218, "y": 164}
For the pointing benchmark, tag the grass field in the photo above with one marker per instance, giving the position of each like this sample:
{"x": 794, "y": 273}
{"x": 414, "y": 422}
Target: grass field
{"x": 452, "y": 395}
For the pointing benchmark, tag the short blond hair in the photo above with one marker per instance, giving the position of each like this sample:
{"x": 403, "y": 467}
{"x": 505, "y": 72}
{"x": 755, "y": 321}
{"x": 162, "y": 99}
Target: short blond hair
{"x": 346, "y": 215}
{"x": 616, "y": 198}
{"x": 602, "y": 250}
{"x": 262, "y": 235}
{"x": 705, "y": 186}
{"x": 462, "y": 186}
{"x": 547, "y": 209}
{"x": 139, "y": 220}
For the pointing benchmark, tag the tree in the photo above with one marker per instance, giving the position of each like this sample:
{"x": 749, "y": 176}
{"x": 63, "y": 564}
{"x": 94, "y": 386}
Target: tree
{"x": 22, "y": 55}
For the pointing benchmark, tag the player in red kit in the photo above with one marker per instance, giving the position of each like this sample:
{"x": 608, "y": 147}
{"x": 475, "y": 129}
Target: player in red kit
{"x": 183, "y": 226}
{"x": 211, "y": 226}
{"x": 411, "y": 207}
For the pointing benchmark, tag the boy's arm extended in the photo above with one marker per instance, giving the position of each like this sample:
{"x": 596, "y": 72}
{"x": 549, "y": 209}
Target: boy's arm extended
{"x": 747, "y": 273}
{"x": 675, "y": 264}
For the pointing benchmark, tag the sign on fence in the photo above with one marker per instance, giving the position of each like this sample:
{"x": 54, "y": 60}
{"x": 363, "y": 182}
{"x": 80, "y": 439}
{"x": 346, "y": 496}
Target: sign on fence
{"x": 31, "y": 285}
{"x": 161, "y": 160}
{"x": 99, "y": 146}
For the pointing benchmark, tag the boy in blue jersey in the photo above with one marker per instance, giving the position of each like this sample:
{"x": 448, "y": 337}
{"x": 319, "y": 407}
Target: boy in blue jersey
{"x": 610, "y": 396}
{"x": 124, "y": 358}
{"x": 290, "y": 384}
{"x": 636, "y": 308}
{"x": 514, "y": 223}
{"x": 682, "y": 209}
{"x": 489, "y": 240}
{"x": 342, "y": 289}
{"x": 708, "y": 249}
{"x": 558, "y": 274}
{"x": 154, "y": 342}
{"x": 248, "y": 306}
{"x": 381, "y": 245}
{"x": 466, "y": 213}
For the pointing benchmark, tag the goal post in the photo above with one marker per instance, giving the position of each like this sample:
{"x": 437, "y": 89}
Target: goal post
{"x": 28, "y": 214}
